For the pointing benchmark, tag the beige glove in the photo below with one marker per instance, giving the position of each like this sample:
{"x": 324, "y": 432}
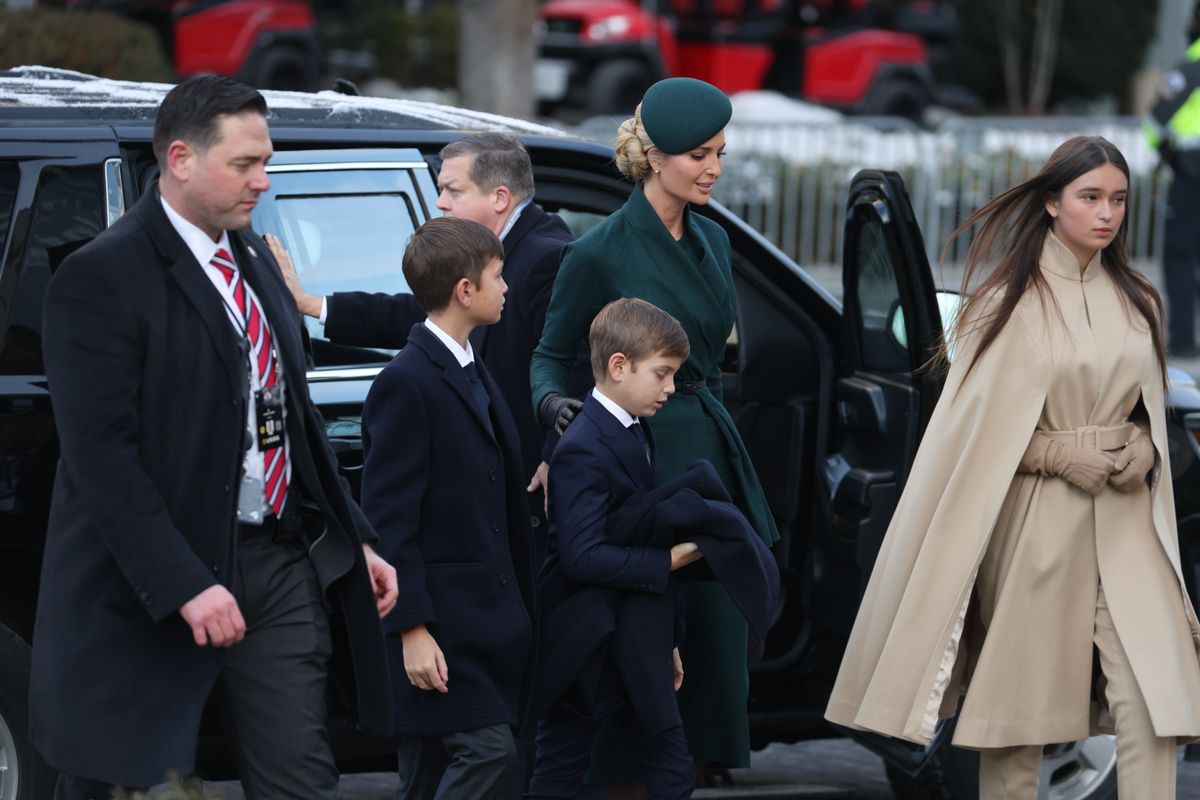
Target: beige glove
{"x": 1086, "y": 468}
{"x": 1133, "y": 463}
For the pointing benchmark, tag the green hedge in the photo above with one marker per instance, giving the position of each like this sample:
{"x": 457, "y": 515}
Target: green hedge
{"x": 98, "y": 43}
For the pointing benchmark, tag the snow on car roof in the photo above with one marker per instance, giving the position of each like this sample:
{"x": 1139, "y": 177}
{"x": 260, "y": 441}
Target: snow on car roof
{"x": 32, "y": 93}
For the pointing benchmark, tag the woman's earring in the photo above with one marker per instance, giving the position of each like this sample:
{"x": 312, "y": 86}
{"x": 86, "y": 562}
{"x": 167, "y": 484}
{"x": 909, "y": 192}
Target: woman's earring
{"x": 658, "y": 172}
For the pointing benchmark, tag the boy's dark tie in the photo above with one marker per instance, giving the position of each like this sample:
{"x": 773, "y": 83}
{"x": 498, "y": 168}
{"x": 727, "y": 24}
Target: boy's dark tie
{"x": 640, "y": 435}
{"x": 483, "y": 401}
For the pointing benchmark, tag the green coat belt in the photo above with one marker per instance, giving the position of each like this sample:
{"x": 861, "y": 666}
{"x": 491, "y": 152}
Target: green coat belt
{"x": 632, "y": 254}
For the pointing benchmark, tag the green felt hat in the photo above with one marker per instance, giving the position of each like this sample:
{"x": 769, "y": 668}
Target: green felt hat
{"x": 680, "y": 114}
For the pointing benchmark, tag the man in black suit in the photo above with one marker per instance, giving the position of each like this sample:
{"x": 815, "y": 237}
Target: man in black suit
{"x": 485, "y": 178}
{"x": 177, "y": 563}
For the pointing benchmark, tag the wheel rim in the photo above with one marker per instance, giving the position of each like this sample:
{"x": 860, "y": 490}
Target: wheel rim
{"x": 1076, "y": 770}
{"x": 9, "y": 772}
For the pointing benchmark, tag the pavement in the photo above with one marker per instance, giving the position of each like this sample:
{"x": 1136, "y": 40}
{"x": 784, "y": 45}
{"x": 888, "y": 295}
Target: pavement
{"x": 825, "y": 769}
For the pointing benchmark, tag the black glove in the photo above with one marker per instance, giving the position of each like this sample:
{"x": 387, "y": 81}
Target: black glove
{"x": 557, "y": 411}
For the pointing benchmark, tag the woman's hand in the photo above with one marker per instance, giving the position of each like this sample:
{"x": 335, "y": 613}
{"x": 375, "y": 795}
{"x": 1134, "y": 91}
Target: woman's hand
{"x": 678, "y": 663}
{"x": 1086, "y": 468}
{"x": 557, "y": 411}
{"x": 1133, "y": 464}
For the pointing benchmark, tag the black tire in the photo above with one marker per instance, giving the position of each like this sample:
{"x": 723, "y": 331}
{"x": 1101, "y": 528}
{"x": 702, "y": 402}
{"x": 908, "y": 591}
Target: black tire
{"x": 617, "y": 87}
{"x": 23, "y": 774}
{"x": 285, "y": 68}
{"x": 1085, "y": 770}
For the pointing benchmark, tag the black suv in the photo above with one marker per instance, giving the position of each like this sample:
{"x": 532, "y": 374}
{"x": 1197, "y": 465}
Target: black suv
{"x": 825, "y": 394}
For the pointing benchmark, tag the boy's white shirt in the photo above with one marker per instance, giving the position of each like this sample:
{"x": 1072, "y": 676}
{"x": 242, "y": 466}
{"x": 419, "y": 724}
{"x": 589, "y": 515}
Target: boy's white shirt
{"x": 463, "y": 355}
{"x": 624, "y": 417}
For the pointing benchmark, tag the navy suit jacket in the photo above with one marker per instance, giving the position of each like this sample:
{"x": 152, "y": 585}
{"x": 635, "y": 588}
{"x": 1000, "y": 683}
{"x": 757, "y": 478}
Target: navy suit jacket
{"x": 531, "y": 254}
{"x": 610, "y": 618}
{"x": 445, "y": 491}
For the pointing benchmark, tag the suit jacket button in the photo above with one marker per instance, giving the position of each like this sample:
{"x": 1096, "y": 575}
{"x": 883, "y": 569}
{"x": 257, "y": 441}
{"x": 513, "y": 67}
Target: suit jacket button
{"x": 503, "y": 581}
{"x": 495, "y": 527}
{"x": 491, "y": 475}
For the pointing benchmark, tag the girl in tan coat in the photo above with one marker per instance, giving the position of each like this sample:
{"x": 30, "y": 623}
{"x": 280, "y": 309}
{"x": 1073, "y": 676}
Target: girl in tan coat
{"x": 1037, "y": 530}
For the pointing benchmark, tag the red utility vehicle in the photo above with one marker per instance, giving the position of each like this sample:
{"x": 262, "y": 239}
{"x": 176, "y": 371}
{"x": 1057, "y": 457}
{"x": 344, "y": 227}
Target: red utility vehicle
{"x": 861, "y": 56}
{"x": 270, "y": 44}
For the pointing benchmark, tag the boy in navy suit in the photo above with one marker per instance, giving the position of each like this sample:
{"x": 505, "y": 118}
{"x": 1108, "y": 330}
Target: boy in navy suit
{"x": 608, "y": 598}
{"x": 444, "y": 488}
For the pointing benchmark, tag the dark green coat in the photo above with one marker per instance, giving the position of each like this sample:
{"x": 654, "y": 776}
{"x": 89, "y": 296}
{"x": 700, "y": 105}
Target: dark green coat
{"x": 632, "y": 254}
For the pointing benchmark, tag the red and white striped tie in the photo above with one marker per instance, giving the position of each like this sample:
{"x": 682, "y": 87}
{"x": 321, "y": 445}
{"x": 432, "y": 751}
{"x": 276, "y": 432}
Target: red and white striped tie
{"x": 274, "y": 459}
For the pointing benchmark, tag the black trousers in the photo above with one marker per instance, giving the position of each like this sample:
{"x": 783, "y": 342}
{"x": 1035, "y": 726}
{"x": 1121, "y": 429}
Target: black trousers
{"x": 564, "y": 749}
{"x": 471, "y": 764}
{"x": 1181, "y": 257}
{"x": 271, "y": 690}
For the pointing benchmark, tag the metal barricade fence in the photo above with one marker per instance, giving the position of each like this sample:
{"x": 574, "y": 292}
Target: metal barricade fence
{"x": 790, "y": 181}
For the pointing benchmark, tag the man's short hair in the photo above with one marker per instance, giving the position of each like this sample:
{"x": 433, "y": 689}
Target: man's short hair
{"x": 638, "y": 330}
{"x": 499, "y": 160}
{"x": 442, "y": 252}
{"x": 192, "y": 111}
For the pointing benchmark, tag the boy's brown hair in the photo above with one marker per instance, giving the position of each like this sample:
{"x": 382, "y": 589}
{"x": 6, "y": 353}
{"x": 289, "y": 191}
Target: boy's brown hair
{"x": 442, "y": 252}
{"x": 638, "y": 330}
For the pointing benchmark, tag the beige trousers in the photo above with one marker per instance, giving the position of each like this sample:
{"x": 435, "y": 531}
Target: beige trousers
{"x": 1145, "y": 763}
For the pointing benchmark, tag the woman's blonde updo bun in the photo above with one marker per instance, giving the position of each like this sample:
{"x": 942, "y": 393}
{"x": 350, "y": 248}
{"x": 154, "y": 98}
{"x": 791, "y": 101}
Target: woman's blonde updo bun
{"x": 633, "y": 147}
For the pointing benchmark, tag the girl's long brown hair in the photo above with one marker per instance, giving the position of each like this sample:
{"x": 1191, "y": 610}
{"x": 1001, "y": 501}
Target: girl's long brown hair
{"x": 1013, "y": 227}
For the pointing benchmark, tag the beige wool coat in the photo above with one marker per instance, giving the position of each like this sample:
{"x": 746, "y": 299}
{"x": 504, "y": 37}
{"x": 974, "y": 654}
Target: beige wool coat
{"x": 986, "y": 581}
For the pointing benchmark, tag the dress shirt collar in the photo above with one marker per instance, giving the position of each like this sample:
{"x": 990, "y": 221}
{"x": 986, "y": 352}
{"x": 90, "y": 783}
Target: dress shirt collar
{"x": 462, "y": 355}
{"x": 624, "y": 417}
{"x": 512, "y": 218}
{"x": 197, "y": 241}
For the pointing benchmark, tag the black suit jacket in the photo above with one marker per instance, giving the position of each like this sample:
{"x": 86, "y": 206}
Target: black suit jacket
{"x": 150, "y": 392}
{"x": 445, "y": 489}
{"x": 607, "y": 593}
{"x": 531, "y": 254}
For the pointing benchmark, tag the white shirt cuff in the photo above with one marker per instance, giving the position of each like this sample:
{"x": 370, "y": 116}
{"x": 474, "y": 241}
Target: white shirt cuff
{"x": 324, "y": 310}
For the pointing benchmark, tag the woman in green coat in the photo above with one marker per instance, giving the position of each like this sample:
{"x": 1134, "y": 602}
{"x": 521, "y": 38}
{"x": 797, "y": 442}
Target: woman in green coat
{"x": 656, "y": 249}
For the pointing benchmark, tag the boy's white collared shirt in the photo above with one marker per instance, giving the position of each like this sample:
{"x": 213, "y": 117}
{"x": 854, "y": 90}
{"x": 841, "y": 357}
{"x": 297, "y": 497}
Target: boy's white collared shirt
{"x": 624, "y": 417}
{"x": 463, "y": 355}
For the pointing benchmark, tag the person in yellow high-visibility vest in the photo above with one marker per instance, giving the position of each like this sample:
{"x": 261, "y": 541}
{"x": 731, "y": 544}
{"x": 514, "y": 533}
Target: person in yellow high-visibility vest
{"x": 1174, "y": 129}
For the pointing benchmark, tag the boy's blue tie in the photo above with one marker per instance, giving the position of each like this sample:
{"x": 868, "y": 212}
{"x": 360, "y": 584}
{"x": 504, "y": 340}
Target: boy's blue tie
{"x": 483, "y": 401}
{"x": 640, "y": 435}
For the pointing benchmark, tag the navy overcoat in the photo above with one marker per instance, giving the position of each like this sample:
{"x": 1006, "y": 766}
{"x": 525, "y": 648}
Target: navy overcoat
{"x": 444, "y": 487}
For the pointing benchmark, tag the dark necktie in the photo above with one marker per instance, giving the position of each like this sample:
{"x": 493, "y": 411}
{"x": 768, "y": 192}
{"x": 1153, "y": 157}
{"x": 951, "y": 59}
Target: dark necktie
{"x": 483, "y": 401}
{"x": 639, "y": 433}
{"x": 275, "y": 459}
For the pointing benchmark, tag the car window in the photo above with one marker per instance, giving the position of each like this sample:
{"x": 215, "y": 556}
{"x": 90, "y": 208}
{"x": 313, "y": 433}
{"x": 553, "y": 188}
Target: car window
{"x": 68, "y": 212}
{"x": 878, "y": 296}
{"x": 10, "y": 176}
{"x": 346, "y": 231}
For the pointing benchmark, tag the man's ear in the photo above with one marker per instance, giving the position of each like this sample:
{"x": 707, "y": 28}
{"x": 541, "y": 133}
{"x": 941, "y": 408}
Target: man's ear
{"x": 617, "y": 364}
{"x": 502, "y": 199}
{"x": 181, "y": 160}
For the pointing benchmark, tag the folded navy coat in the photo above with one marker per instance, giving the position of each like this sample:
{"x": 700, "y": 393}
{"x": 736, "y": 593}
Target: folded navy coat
{"x": 588, "y": 632}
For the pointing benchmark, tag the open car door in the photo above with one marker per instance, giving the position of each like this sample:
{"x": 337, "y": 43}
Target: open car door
{"x": 884, "y": 392}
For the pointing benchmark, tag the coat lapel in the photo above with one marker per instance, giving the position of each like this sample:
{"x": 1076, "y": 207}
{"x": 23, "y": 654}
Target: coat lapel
{"x": 452, "y": 372}
{"x": 621, "y": 442}
{"x": 181, "y": 266}
{"x": 252, "y": 259}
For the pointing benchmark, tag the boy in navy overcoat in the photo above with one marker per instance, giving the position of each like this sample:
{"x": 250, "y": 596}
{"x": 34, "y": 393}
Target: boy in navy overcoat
{"x": 603, "y": 463}
{"x": 443, "y": 486}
